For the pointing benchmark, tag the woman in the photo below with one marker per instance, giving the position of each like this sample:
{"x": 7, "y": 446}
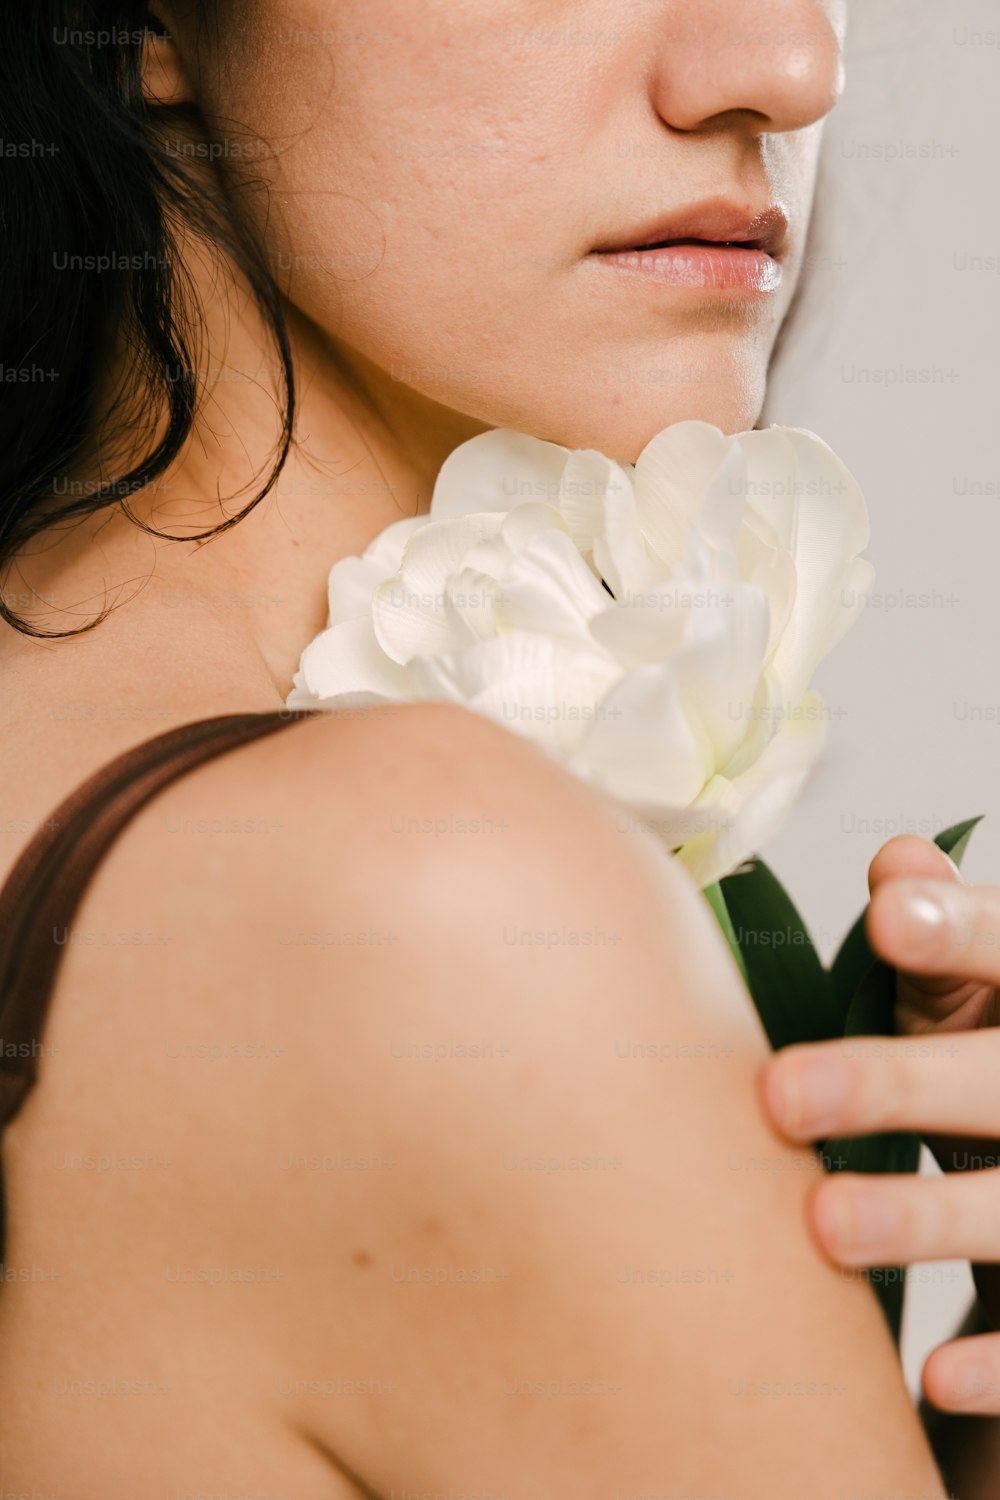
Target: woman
{"x": 326, "y": 1189}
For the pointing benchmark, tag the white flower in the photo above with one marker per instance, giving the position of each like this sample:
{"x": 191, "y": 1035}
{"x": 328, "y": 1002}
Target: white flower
{"x": 654, "y": 627}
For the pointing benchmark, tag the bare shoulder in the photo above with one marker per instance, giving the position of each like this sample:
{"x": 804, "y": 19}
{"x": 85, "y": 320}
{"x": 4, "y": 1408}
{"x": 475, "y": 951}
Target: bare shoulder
{"x": 428, "y": 806}
{"x": 438, "y": 1037}
{"x": 374, "y": 837}
{"x": 352, "y": 893}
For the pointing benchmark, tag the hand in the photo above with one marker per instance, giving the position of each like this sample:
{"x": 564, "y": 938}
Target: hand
{"x": 944, "y": 937}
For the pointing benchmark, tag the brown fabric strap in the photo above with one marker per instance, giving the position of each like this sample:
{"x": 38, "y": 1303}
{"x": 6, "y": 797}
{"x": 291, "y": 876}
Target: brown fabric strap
{"x": 46, "y": 884}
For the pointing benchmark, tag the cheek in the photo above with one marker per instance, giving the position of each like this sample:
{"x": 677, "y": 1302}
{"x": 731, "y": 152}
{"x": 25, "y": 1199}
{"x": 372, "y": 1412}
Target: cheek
{"x": 417, "y": 241}
{"x": 407, "y": 183}
{"x": 424, "y": 194}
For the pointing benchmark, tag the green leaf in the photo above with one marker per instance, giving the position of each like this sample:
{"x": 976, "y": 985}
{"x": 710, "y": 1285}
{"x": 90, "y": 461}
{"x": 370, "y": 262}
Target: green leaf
{"x": 870, "y": 1014}
{"x": 955, "y": 840}
{"x": 896, "y": 1152}
{"x": 791, "y": 989}
{"x": 853, "y": 961}
{"x": 899, "y": 1152}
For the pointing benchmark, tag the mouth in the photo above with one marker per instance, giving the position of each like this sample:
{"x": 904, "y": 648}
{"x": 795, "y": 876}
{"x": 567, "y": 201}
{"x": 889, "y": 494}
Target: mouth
{"x": 713, "y": 246}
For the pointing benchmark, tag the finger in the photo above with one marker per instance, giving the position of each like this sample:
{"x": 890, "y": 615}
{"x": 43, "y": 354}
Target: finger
{"x": 964, "y": 1375}
{"x": 923, "y": 1000}
{"x": 937, "y": 927}
{"x": 939, "y": 1085}
{"x": 910, "y": 858}
{"x": 884, "y": 1221}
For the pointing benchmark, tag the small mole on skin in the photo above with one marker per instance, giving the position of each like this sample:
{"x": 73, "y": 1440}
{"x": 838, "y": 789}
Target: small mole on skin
{"x": 361, "y": 1258}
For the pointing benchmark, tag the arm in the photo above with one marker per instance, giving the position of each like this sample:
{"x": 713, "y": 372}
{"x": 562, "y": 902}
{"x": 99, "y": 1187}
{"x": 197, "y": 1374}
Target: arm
{"x": 577, "y": 1269}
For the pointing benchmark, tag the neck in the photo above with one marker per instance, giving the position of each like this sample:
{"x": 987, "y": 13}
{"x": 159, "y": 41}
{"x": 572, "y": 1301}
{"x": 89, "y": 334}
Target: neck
{"x": 231, "y": 615}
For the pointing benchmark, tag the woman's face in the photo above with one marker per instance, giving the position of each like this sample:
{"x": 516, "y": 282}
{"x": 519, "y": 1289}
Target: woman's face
{"x": 445, "y": 174}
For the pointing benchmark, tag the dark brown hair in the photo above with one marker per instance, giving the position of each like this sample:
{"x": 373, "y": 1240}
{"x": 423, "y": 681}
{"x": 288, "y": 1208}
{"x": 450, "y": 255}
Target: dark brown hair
{"x": 90, "y": 208}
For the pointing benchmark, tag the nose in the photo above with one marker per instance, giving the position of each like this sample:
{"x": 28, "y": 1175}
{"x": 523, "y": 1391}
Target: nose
{"x": 776, "y": 65}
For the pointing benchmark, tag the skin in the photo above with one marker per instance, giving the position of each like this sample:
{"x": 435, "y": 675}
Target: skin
{"x": 687, "y": 1384}
{"x": 530, "y": 335}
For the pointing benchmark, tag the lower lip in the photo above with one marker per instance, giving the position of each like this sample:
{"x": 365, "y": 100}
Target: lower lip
{"x": 714, "y": 268}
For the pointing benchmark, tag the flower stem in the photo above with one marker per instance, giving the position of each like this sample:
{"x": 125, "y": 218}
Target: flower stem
{"x": 717, "y": 901}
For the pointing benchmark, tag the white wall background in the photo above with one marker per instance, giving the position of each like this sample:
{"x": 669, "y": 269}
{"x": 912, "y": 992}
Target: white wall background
{"x": 892, "y": 359}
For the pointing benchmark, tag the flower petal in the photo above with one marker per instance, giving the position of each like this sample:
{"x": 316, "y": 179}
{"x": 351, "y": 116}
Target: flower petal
{"x": 588, "y": 480}
{"x": 647, "y": 629}
{"x": 806, "y": 493}
{"x": 672, "y": 474}
{"x": 539, "y": 687}
{"x": 720, "y": 670}
{"x": 642, "y": 746}
{"x": 551, "y": 590}
{"x": 409, "y": 610}
{"x": 620, "y": 553}
{"x": 347, "y": 658}
{"x": 496, "y": 471}
{"x": 746, "y": 812}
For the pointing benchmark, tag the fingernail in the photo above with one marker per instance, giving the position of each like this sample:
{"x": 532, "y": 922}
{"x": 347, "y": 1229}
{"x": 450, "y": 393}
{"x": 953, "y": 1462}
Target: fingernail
{"x": 856, "y": 1219}
{"x": 809, "y": 1093}
{"x": 924, "y": 916}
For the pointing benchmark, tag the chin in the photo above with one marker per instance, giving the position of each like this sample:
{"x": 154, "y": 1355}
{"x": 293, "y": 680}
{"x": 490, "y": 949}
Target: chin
{"x": 624, "y": 399}
{"x": 620, "y": 424}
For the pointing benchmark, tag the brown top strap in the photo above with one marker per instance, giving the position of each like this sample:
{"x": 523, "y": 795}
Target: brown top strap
{"x": 45, "y": 887}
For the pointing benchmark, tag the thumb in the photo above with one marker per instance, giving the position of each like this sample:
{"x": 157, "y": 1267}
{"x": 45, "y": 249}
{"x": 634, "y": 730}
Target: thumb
{"x": 929, "y": 1000}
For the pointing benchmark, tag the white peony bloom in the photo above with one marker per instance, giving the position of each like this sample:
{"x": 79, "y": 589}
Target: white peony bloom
{"x": 654, "y": 627}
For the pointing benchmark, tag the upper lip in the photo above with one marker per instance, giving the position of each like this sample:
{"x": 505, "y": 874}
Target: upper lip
{"x": 718, "y": 221}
